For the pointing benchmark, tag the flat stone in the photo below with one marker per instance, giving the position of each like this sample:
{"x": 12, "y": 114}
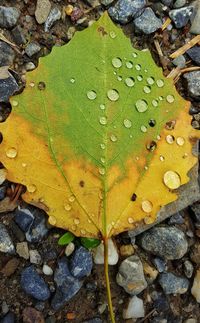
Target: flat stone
{"x": 24, "y": 218}
{"x": 193, "y": 83}
{"x": 7, "y": 54}
{"x": 125, "y": 10}
{"x": 81, "y": 263}
{"x": 167, "y": 241}
{"x": 194, "y": 54}
{"x": 131, "y": 276}
{"x": 181, "y": 16}
{"x": 113, "y": 255}
{"x": 6, "y": 244}
{"x": 8, "y": 84}
{"x": 172, "y": 284}
{"x": 148, "y": 23}
{"x": 135, "y": 309}
{"x": 8, "y": 16}
{"x": 42, "y": 11}
{"x": 32, "y": 49}
{"x": 33, "y": 284}
{"x": 54, "y": 15}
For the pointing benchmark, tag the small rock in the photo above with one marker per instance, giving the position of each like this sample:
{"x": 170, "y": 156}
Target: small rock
{"x": 18, "y": 36}
{"x": 176, "y": 219}
{"x": 32, "y": 49}
{"x": 102, "y": 308}
{"x": 135, "y": 309}
{"x": 8, "y": 16}
{"x": 125, "y": 10}
{"x": 4, "y": 308}
{"x": 69, "y": 249}
{"x": 93, "y": 3}
{"x": 31, "y": 315}
{"x": 131, "y": 275}
{"x": 30, "y": 66}
{"x": 196, "y": 286}
{"x": 42, "y": 11}
{"x": 167, "y": 242}
{"x": 106, "y": 2}
{"x": 8, "y": 84}
{"x": 24, "y": 218}
{"x": 160, "y": 264}
{"x": 76, "y": 14}
{"x": 10, "y": 267}
{"x": 167, "y": 3}
{"x": 67, "y": 285}
{"x": 113, "y": 256}
{"x": 53, "y": 16}
{"x": 47, "y": 270}
{"x": 22, "y": 250}
{"x": 7, "y": 54}
{"x": 35, "y": 257}
{"x": 38, "y": 230}
{"x": 179, "y": 4}
{"x": 160, "y": 302}
{"x": 150, "y": 272}
{"x": 194, "y": 54}
{"x": 193, "y": 83}
{"x": 188, "y": 268}
{"x": 148, "y": 23}
{"x": 195, "y": 27}
{"x": 126, "y": 250}
{"x": 8, "y": 318}
{"x": 181, "y": 16}
{"x": 172, "y": 284}
{"x": 81, "y": 263}
{"x": 33, "y": 284}
{"x": 179, "y": 61}
{"x": 6, "y": 244}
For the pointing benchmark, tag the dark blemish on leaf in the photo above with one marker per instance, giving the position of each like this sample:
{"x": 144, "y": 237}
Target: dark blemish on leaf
{"x": 133, "y": 197}
{"x": 82, "y": 183}
{"x": 151, "y": 146}
{"x": 170, "y": 125}
{"x": 102, "y": 31}
{"x": 41, "y": 86}
{"x": 152, "y": 122}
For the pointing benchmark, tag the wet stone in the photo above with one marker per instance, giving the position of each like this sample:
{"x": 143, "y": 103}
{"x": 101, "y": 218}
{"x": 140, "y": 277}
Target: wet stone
{"x": 181, "y": 16}
{"x": 172, "y": 284}
{"x": 6, "y": 244}
{"x": 167, "y": 242}
{"x": 32, "y": 49}
{"x": 194, "y": 54}
{"x": 8, "y": 86}
{"x": 54, "y": 15}
{"x": 33, "y": 284}
{"x": 148, "y": 22}
{"x": 8, "y": 17}
{"x": 125, "y": 10}
{"x": 193, "y": 83}
{"x": 7, "y": 54}
{"x": 81, "y": 263}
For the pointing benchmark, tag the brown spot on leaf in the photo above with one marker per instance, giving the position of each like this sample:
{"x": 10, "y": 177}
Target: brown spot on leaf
{"x": 102, "y": 31}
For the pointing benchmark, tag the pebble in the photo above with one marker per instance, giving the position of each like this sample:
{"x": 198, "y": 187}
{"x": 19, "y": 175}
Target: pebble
{"x": 38, "y": 229}
{"x": 188, "y": 268}
{"x": 135, "y": 309}
{"x": 124, "y": 11}
{"x": 33, "y": 284}
{"x": 150, "y": 272}
{"x": 35, "y": 257}
{"x": 8, "y": 85}
{"x": 8, "y": 318}
{"x": 8, "y": 17}
{"x": 131, "y": 276}
{"x": 196, "y": 286}
{"x": 181, "y": 16}
{"x": 6, "y": 244}
{"x": 160, "y": 264}
{"x": 10, "y": 267}
{"x": 42, "y": 11}
{"x": 177, "y": 218}
{"x": 166, "y": 241}
{"x": 32, "y": 49}
{"x": 127, "y": 250}
{"x": 195, "y": 253}
{"x": 69, "y": 249}
{"x": 194, "y": 54}
{"x": 167, "y": 3}
{"x": 93, "y": 3}
{"x": 193, "y": 83}
{"x": 22, "y": 250}
{"x": 172, "y": 284}
{"x": 18, "y": 35}
{"x": 4, "y": 308}
{"x": 196, "y": 206}
{"x": 48, "y": 271}
{"x": 195, "y": 27}
{"x": 24, "y": 218}
{"x": 67, "y": 285}
{"x": 31, "y": 315}
{"x": 54, "y": 15}
{"x": 148, "y": 23}
{"x": 179, "y": 61}
{"x": 7, "y": 54}
{"x": 113, "y": 255}
{"x": 81, "y": 262}
{"x": 30, "y": 66}
{"x": 106, "y": 2}
{"x": 179, "y": 4}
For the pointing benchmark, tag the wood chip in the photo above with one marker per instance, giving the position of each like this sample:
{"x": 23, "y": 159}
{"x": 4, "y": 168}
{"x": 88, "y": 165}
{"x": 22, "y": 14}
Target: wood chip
{"x": 187, "y": 46}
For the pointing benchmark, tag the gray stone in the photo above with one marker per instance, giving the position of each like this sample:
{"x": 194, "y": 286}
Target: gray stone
{"x": 179, "y": 61}
{"x": 176, "y": 219}
{"x": 42, "y": 11}
{"x": 8, "y": 16}
{"x": 125, "y": 10}
{"x": 93, "y": 3}
{"x": 196, "y": 210}
{"x": 148, "y": 23}
{"x": 194, "y": 54}
{"x": 54, "y": 15}
{"x": 167, "y": 241}
{"x": 6, "y": 244}
{"x": 106, "y": 2}
{"x": 24, "y": 218}
{"x": 188, "y": 268}
{"x": 160, "y": 264}
{"x": 167, "y": 2}
{"x": 32, "y": 49}
{"x": 131, "y": 276}
{"x": 7, "y": 54}
{"x": 172, "y": 284}
{"x": 33, "y": 284}
{"x": 18, "y": 36}
{"x": 81, "y": 263}
{"x": 193, "y": 83}
{"x": 181, "y": 16}
{"x": 8, "y": 85}
{"x": 179, "y": 3}
{"x": 195, "y": 27}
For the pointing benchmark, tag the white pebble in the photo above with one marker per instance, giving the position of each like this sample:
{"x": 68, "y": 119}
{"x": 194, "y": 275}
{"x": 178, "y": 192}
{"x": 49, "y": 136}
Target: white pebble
{"x": 196, "y": 286}
{"x": 113, "y": 256}
{"x": 30, "y": 66}
{"x": 135, "y": 309}
{"x": 69, "y": 249}
{"x": 47, "y": 270}
{"x": 35, "y": 257}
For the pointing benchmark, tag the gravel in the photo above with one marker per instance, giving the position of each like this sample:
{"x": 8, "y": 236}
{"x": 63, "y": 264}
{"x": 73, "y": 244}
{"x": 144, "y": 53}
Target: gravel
{"x": 148, "y": 23}
{"x": 181, "y": 16}
{"x": 124, "y": 11}
{"x": 172, "y": 284}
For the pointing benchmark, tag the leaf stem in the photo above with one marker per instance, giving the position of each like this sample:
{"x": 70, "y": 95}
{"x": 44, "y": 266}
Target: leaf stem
{"x": 112, "y": 317}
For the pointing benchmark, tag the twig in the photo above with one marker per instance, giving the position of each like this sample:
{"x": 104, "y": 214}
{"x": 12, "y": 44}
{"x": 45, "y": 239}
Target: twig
{"x": 158, "y": 48}
{"x": 187, "y": 46}
{"x": 166, "y": 23}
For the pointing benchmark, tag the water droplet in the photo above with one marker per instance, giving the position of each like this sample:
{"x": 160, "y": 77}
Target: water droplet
{"x": 127, "y": 123}
{"x": 103, "y": 120}
{"x": 41, "y": 86}
{"x": 137, "y": 158}
{"x": 160, "y": 98}
{"x": 113, "y": 34}
{"x": 158, "y": 137}
{"x": 172, "y": 180}
{"x": 147, "y": 206}
{"x": 89, "y": 221}
{"x": 113, "y": 138}
{"x": 119, "y": 78}
{"x": 24, "y": 164}
{"x": 102, "y": 171}
{"x": 180, "y": 141}
{"x": 155, "y": 103}
{"x": 162, "y": 158}
{"x": 102, "y": 106}
{"x": 147, "y": 89}
{"x": 146, "y": 70}
{"x": 32, "y": 84}
{"x": 31, "y": 188}
{"x": 169, "y": 139}
{"x": 117, "y": 62}
{"x": 14, "y": 103}
{"x": 129, "y": 64}
{"x": 91, "y": 95}
{"x": 141, "y": 105}
{"x": 145, "y": 167}
{"x": 138, "y": 67}
{"x": 52, "y": 220}
{"x": 185, "y": 155}
{"x": 67, "y": 207}
{"x": 143, "y": 128}
{"x": 150, "y": 80}
{"x": 134, "y": 54}
{"x": 170, "y": 125}
{"x": 103, "y": 146}
{"x": 152, "y": 122}
{"x": 73, "y": 227}
{"x": 76, "y": 221}
{"x": 103, "y": 160}
{"x": 83, "y": 231}
{"x": 160, "y": 83}
{"x": 11, "y": 153}
{"x": 72, "y": 80}
{"x": 72, "y": 198}
{"x": 113, "y": 95}
{"x": 139, "y": 78}
{"x": 170, "y": 98}
{"x": 151, "y": 146}
{"x": 129, "y": 81}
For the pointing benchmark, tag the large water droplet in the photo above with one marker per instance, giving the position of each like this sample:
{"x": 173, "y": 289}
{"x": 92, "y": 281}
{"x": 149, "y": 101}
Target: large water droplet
{"x": 155, "y": 103}
{"x": 141, "y": 105}
{"x": 31, "y": 188}
{"x": 129, "y": 64}
{"x": 152, "y": 122}
{"x": 117, "y": 62}
{"x": 139, "y": 78}
{"x": 143, "y": 128}
{"x": 180, "y": 141}
{"x": 67, "y": 207}
{"x": 76, "y": 221}
{"x": 169, "y": 139}
{"x": 129, "y": 81}
{"x": 160, "y": 83}
{"x": 103, "y": 120}
{"x": 127, "y": 123}
{"x": 52, "y": 220}
{"x": 72, "y": 198}
{"x": 113, "y": 95}
{"x": 147, "y": 206}
{"x": 170, "y": 98}
{"x": 113, "y": 137}
{"x": 147, "y": 89}
{"x": 172, "y": 180}
{"x": 91, "y": 95}
{"x": 113, "y": 34}
{"x": 138, "y": 67}
{"x": 150, "y": 80}
{"x": 11, "y": 152}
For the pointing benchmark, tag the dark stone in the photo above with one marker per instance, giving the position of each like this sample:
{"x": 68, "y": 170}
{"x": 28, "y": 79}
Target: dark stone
{"x": 18, "y": 36}
{"x": 81, "y": 263}
{"x": 32, "y": 49}
{"x": 125, "y": 10}
{"x": 7, "y": 54}
{"x": 24, "y": 218}
{"x": 8, "y": 86}
{"x": 8, "y": 318}
{"x": 193, "y": 83}
{"x": 148, "y": 23}
{"x": 2, "y": 192}
{"x": 181, "y": 16}
{"x": 194, "y": 54}
{"x": 160, "y": 264}
{"x": 8, "y": 16}
{"x": 176, "y": 219}
{"x": 172, "y": 284}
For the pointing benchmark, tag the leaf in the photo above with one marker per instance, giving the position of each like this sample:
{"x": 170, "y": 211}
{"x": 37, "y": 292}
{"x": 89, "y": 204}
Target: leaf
{"x": 90, "y": 242}
{"x": 66, "y": 238}
{"x": 99, "y": 137}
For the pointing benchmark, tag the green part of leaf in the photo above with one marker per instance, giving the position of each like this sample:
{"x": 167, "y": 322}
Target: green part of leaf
{"x": 90, "y": 242}
{"x": 66, "y": 238}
